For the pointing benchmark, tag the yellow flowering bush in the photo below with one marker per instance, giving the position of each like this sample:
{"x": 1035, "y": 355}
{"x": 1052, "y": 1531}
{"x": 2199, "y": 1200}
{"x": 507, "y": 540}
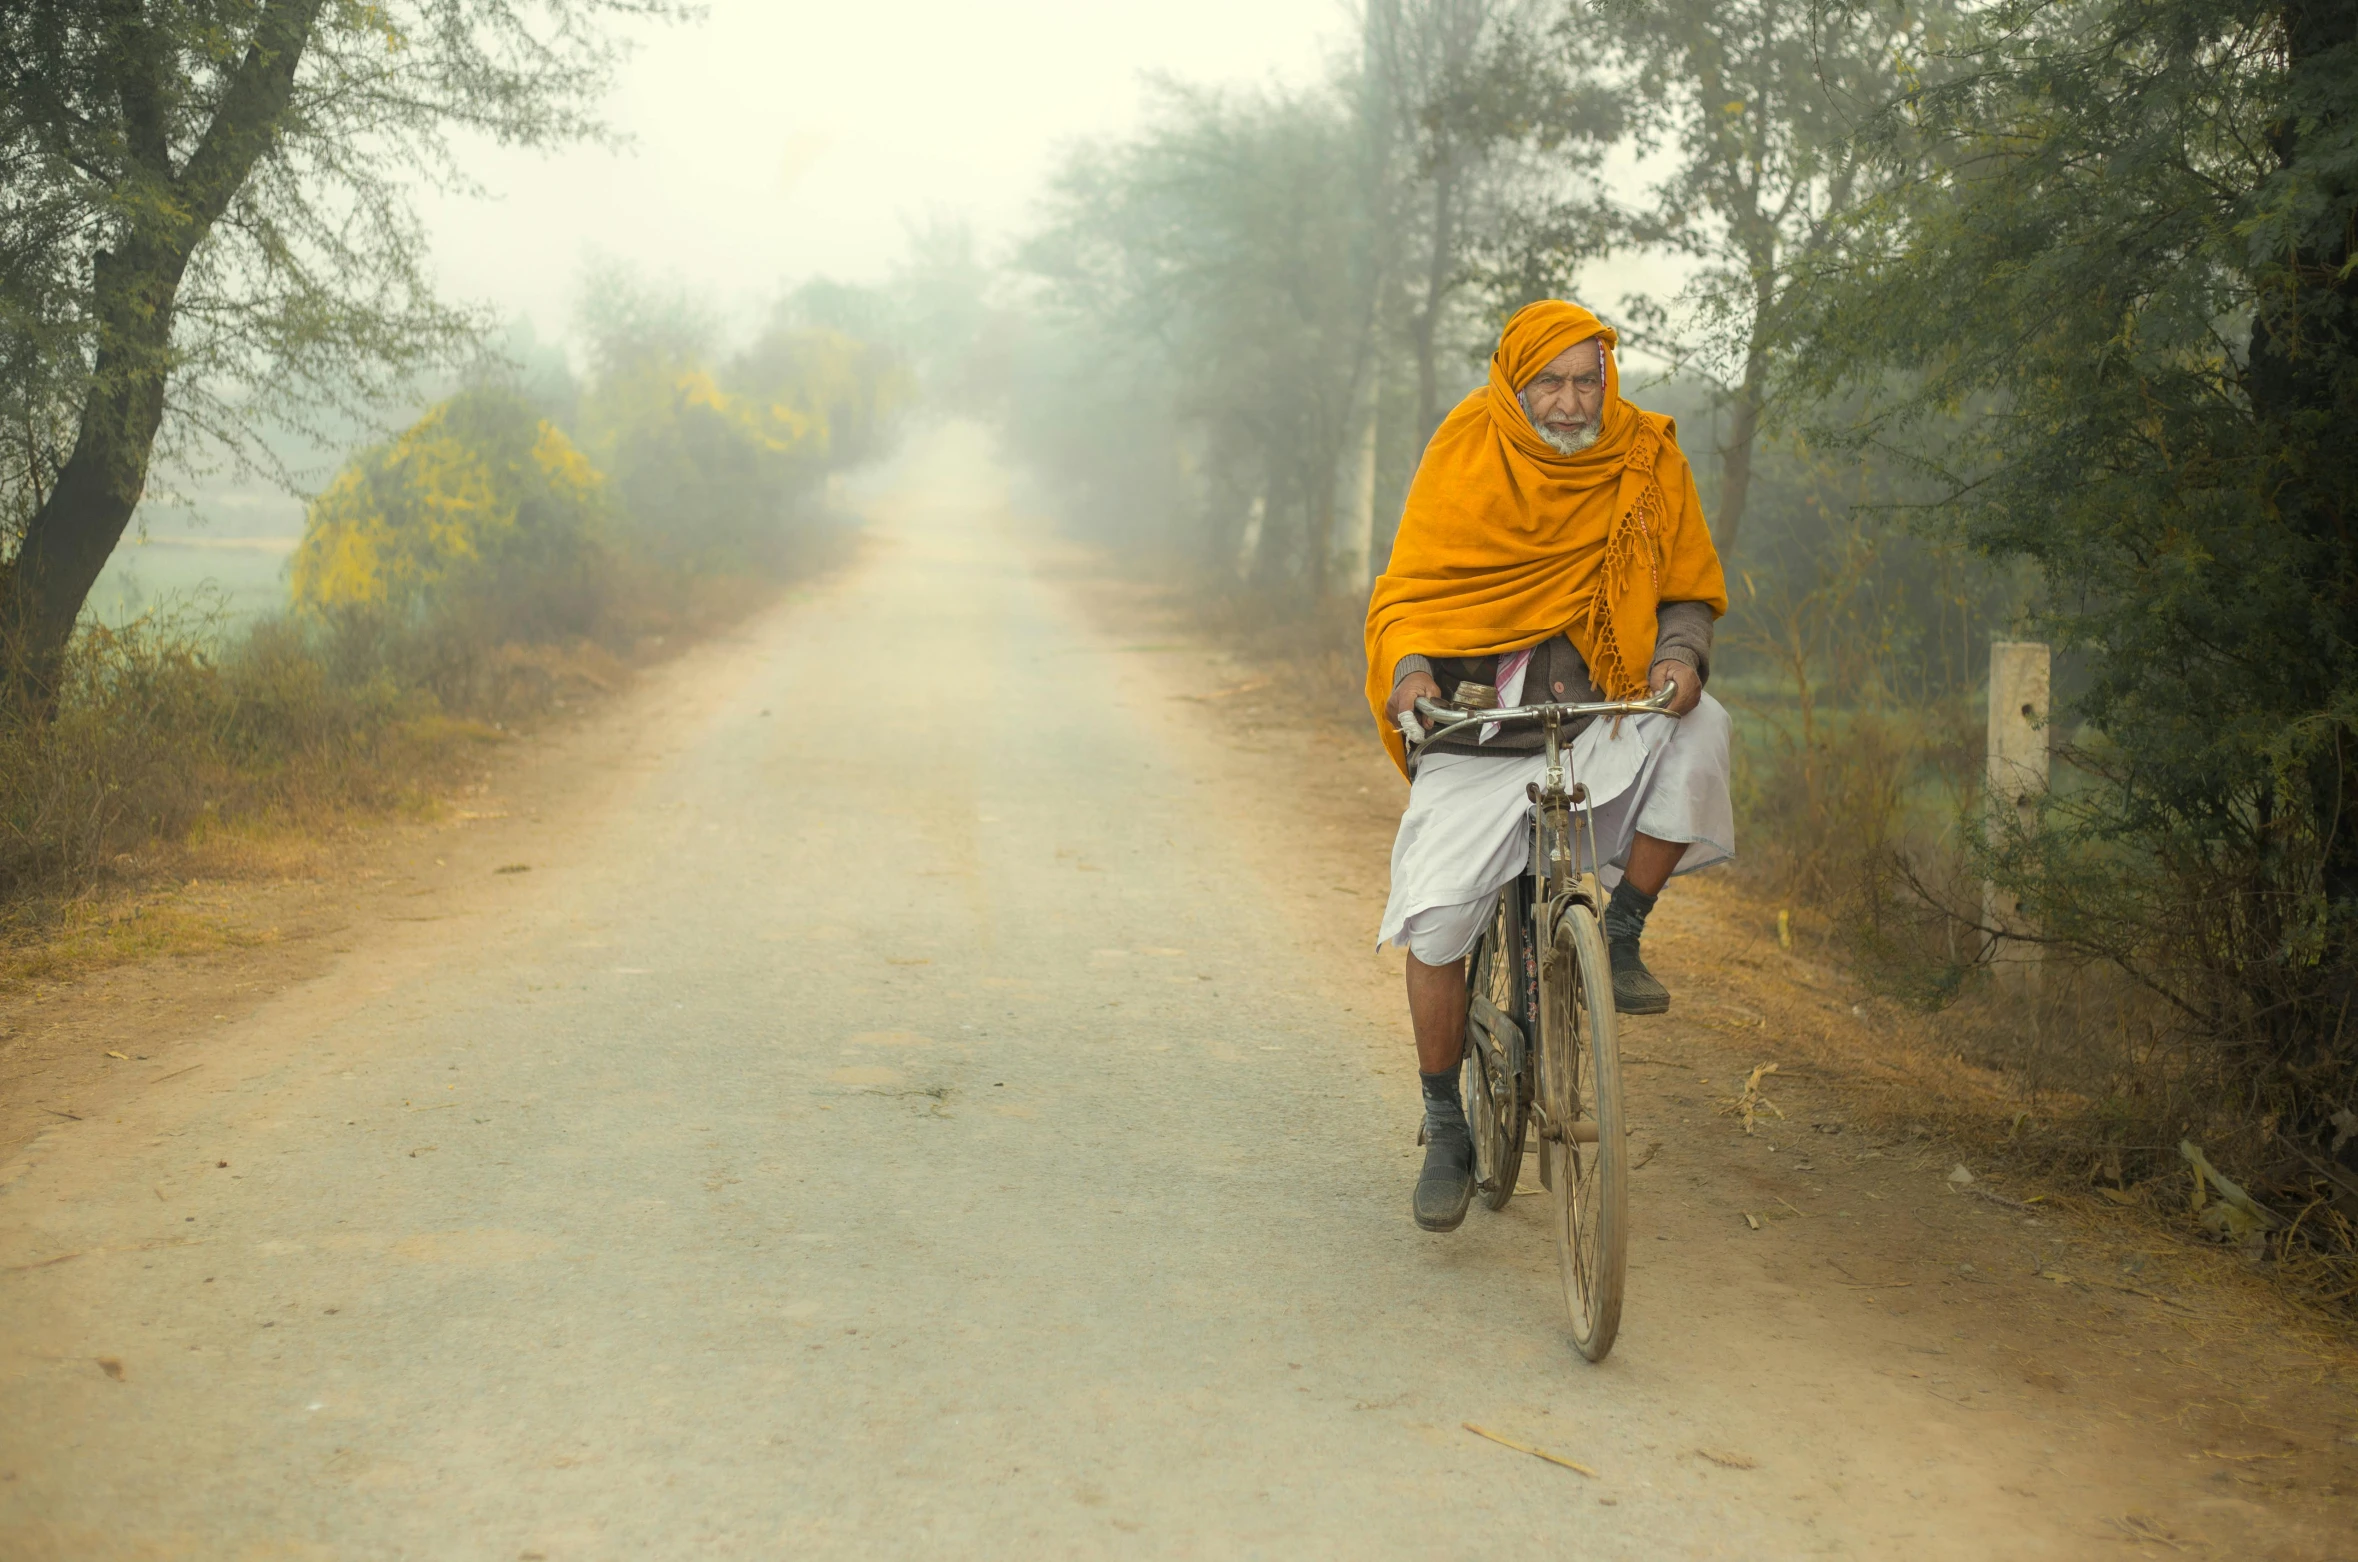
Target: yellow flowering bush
{"x": 478, "y": 491}
{"x": 716, "y": 471}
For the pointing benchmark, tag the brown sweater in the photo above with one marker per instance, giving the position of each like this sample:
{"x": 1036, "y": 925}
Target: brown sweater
{"x": 1557, "y": 672}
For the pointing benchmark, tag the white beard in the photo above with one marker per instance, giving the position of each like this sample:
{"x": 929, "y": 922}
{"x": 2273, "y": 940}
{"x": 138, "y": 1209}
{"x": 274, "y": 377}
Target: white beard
{"x": 1569, "y": 444}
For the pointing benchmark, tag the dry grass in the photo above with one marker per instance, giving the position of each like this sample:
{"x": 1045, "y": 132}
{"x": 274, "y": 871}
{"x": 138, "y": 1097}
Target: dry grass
{"x": 1950, "y": 1086}
{"x": 1907, "y": 1090}
{"x": 93, "y": 932}
{"x": 180, "y": 756}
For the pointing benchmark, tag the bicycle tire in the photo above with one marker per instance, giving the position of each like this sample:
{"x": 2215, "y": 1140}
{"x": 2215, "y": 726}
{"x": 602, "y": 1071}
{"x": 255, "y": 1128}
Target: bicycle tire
{"x": 1497, "y": 1098}
{"x": 1580, "y": 1075}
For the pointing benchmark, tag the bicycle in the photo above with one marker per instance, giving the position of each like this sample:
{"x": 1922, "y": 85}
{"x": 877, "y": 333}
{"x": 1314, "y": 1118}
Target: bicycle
{"x": 1541, "y": 965}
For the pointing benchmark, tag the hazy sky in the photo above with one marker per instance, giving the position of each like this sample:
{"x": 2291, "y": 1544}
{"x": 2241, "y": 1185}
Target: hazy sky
{"x": 776, "y": 141}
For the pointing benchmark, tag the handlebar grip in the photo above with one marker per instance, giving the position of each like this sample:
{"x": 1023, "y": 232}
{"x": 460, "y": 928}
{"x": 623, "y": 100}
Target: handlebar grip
{"x": 1412, "y": 731}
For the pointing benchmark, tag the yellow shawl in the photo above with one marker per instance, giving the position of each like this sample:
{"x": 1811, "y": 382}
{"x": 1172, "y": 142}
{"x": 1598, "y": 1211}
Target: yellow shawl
{"x": 1504, "y": 543}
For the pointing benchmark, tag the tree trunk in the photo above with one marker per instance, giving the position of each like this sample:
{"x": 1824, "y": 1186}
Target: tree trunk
{"x": 135, "y": 288}
{"x": 1247, "y": 562}
{"x": 1440, "y": 267}
{"x": 1735, "y": 457}
{"x": 1355, "y": 554}
{"x": 70, "y": 537}
{"x": 1319, "y": 518}
{"x": 2303, "y": 382}
{"x": 1373, "y": 253}
{"x": 2306, "y": 329}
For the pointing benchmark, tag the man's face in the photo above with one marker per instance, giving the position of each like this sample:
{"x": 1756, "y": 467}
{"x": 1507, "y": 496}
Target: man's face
{"x": 1566, "y": 398}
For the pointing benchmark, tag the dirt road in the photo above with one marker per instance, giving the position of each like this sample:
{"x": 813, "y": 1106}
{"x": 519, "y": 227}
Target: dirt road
{"x": 927, "y": 1093}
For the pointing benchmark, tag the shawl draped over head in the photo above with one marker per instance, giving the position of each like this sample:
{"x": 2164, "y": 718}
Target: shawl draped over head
{"x": 1505, "y": 543}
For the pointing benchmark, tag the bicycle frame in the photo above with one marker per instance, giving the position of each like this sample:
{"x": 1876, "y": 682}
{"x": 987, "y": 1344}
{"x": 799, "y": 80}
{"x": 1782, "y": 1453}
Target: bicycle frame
{"x": 1564, "y": 825}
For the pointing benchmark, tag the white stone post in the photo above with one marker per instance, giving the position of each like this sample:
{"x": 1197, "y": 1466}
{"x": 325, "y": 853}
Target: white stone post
{"x": 2017, "y": 779}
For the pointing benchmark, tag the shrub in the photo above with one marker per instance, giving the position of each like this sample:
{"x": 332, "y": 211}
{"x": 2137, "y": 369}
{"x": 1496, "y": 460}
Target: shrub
{"x": 480, "y": 499}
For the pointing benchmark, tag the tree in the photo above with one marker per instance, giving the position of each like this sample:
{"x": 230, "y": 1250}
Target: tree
{"x": 1749, "y": 107}
{"x": 205, "y": 227}
{"x": 1423, "y": 52}
{"x": 2116, "y": 321}
{"x": 1221, "y": 241}
{"x": 1481, "y": 108}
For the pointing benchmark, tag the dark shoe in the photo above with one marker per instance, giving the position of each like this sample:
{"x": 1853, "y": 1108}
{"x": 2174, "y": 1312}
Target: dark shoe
{"x": 1634, "y": 989}
{"x": 1446, "y": 1186}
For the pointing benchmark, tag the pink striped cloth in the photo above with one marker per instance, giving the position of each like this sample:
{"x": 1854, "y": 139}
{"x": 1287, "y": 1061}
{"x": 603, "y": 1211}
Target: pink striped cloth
{"x": 1511, "y": 669}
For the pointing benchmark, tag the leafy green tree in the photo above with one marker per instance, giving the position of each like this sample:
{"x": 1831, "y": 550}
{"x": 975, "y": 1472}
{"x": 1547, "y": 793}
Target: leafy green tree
{"x": 1743, "y": 112}
{"x": 1265, "y": 295}
{"x": 1479, "y": 115}
{"x": 205, "y": 227}
{"x": 2115, "y": 321}
{"x": 1219, "y": 246}
{"x": 1422, "y": 60}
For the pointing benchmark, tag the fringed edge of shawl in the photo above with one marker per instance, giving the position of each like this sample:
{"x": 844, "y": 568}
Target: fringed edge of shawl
{"x": 1632, "y": 530}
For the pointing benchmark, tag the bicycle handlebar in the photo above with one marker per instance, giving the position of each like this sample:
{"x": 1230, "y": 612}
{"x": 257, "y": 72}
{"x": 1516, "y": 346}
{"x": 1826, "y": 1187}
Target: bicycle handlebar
{"x": 1448, "y": 719}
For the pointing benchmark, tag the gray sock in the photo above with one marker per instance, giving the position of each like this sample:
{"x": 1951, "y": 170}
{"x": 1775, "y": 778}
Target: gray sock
{"x": 1626, "y": 912}
{"x": 1443, "y": 1107}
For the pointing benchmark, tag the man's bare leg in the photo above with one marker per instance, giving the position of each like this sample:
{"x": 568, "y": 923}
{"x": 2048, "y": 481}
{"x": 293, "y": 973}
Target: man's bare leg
{"x": 1651, "y": 863}
{"x": 1648, "y": 868}
{"x": 1437, "y": 1009}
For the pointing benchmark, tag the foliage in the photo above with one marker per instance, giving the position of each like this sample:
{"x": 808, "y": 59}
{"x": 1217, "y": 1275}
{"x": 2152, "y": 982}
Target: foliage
{"x": 1743, "y": 111}
{"x": 163, "y": 730}
{"x": 1216, "y": 250}
{"x": 1851, "y": 657}
{"x": 1476, "y": 122}
{"x": 479, "y": 494}
{"x": 718, "y": 467}
{"x": 475, "y": 570}
{"x": 2112, "y": 322}
{"x": 206, "y": 230}
{"x": 1250, "y": 314}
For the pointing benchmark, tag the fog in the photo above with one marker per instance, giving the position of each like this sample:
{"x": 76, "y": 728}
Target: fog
{"x": 757, "y": 147}
{"x": 771, "y": 142}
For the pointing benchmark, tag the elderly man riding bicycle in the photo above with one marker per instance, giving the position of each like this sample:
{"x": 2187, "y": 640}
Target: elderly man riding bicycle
{"x": 1553, "y": 548}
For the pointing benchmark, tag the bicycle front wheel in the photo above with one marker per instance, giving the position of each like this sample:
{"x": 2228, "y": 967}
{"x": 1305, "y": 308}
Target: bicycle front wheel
{"x": 1584, "y": 1147}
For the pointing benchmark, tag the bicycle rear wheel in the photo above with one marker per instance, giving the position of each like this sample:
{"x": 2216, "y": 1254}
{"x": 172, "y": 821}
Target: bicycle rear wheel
{"x": 1494, "y": 1077}
{"x": 1583, "y": 1148}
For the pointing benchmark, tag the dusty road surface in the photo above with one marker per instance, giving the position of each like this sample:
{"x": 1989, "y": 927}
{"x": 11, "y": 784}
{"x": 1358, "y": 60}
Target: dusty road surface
{"x": 920, "y": 1100}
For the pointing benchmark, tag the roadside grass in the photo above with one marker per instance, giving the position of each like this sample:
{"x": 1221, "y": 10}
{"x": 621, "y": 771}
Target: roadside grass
{"x": 1906, "y": 1095}
{"x": 116, "y": 927}
{"x": 2068, "y": 1083}
{"x": 186, "y": 753}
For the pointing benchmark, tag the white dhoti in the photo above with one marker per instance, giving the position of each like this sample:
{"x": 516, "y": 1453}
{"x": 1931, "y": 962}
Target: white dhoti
{"x": 1467, "y": 831}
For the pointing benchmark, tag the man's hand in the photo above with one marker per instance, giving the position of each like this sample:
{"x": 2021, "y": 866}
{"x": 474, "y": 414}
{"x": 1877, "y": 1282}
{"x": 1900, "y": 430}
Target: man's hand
{"x": 1406, "y": 693}
{"x": 1690, "y": 687}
